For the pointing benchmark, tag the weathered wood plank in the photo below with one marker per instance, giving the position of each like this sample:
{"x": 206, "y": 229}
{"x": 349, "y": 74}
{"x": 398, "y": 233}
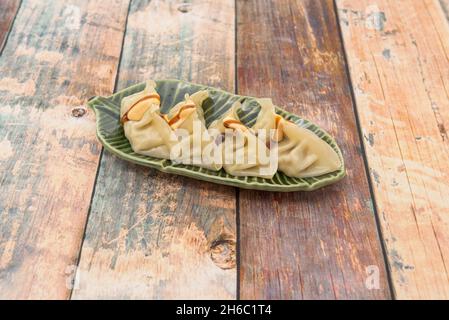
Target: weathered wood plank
{"x": 153, "y": 235}
{"x": 58, "y": 54}
{"x": 445, "y": 6}
{"x": 305, "y": 245}
{"x": 8, "y": 10}
{"x": 398, "y": 58}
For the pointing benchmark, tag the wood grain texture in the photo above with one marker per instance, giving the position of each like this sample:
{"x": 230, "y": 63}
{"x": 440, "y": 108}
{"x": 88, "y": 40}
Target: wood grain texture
{"x": 8, "y": 10}
{"x": 56, "y": 57}
{"x": 398, "y": 57}
{"x": 445, "y": 7}
{"x": 153, "y": 235}
{"x": 321, "y": 244}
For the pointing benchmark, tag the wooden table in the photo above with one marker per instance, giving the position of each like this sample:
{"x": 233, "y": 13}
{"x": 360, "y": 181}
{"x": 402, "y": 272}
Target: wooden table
{"x": 77, "y": 222}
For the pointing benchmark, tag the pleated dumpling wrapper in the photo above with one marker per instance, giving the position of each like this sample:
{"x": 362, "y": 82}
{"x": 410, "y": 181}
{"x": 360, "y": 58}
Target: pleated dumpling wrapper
{"x": 301, "y": 153}
{"x": 148, "y": 133}
{"x": 243, "y": 153}
{"x": 195, "y": 145}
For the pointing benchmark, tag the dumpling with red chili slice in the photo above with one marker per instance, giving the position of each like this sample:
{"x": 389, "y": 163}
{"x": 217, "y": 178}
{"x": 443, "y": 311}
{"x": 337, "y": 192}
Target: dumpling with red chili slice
{"x": 147, "y": 132}
{"x": 243, "y": 153}
{"x": 195, "y": 145}
{"x": 301, "y": 153}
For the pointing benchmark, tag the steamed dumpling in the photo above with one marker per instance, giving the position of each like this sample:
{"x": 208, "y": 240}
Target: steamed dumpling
{"x": 265, "y": 119}
{"x": 301, "y": 153}
{"x": 243, "y": 153}
{"x": 188, "y": 118}
{"x": 183, "y": 114}
{"x": 148, "y": 133}
{"x": 134, "y": 106}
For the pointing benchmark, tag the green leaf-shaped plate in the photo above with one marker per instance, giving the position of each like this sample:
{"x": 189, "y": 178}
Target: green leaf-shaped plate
{"x": 111, "y": 135}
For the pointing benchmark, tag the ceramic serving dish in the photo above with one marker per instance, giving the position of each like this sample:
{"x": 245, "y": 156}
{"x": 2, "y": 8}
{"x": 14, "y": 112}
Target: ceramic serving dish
{"x": 110, "y": 133}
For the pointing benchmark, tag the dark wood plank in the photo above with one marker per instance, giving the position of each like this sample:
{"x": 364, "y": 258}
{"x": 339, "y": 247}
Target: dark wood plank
{"x": 398, "y": 57}
{"x": 305, "y": 245}
{"x": 154, "y": 235}
{"x": 58, "y": 54}
{"x": 8, "y": 10}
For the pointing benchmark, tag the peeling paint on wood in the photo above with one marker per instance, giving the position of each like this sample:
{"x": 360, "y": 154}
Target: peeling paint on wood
{"x": 305, "y": 245}
{"x": 152, "y": 235}
{"x": 405, "y": 104}
{"x": 49, "y": 158}
{"x": 6, "y": 150}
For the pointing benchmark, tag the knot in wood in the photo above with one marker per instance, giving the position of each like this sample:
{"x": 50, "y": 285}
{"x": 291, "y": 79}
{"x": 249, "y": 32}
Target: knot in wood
{"x": 78, "y": 112}
{"x": 185, "y": 7}
{"x": 222, "y": 253}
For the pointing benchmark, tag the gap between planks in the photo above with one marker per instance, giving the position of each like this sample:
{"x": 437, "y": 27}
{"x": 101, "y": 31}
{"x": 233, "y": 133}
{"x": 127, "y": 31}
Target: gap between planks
{"x": 402, "y": 113}
{"x": 305, "y": 245}
{"x": 9, "y": 10}
{"x": 162, "y": 233}
{"x": 46, "y": 175}
{"x": 101, "y": 155}
{"x": 365, "y": 158}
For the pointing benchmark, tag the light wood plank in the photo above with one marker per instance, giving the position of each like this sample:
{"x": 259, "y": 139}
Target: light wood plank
{"x": 8, "y": 10}
{"x": 152, "y": 235}
{"x": 321, "y": 244}
{"x": 58, "y": 54}
{"x": 398, "y": 58}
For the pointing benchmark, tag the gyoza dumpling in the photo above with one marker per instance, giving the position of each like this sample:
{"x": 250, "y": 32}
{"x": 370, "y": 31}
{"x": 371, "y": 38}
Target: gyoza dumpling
{"x": 265, "y": 119}
{"x": 134, "y": 106}
{"x": 301, "y": 153}
{"x": 195, "y": 145}
{"x": 243, "y": 153}
{"x": 147, "y": 132}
